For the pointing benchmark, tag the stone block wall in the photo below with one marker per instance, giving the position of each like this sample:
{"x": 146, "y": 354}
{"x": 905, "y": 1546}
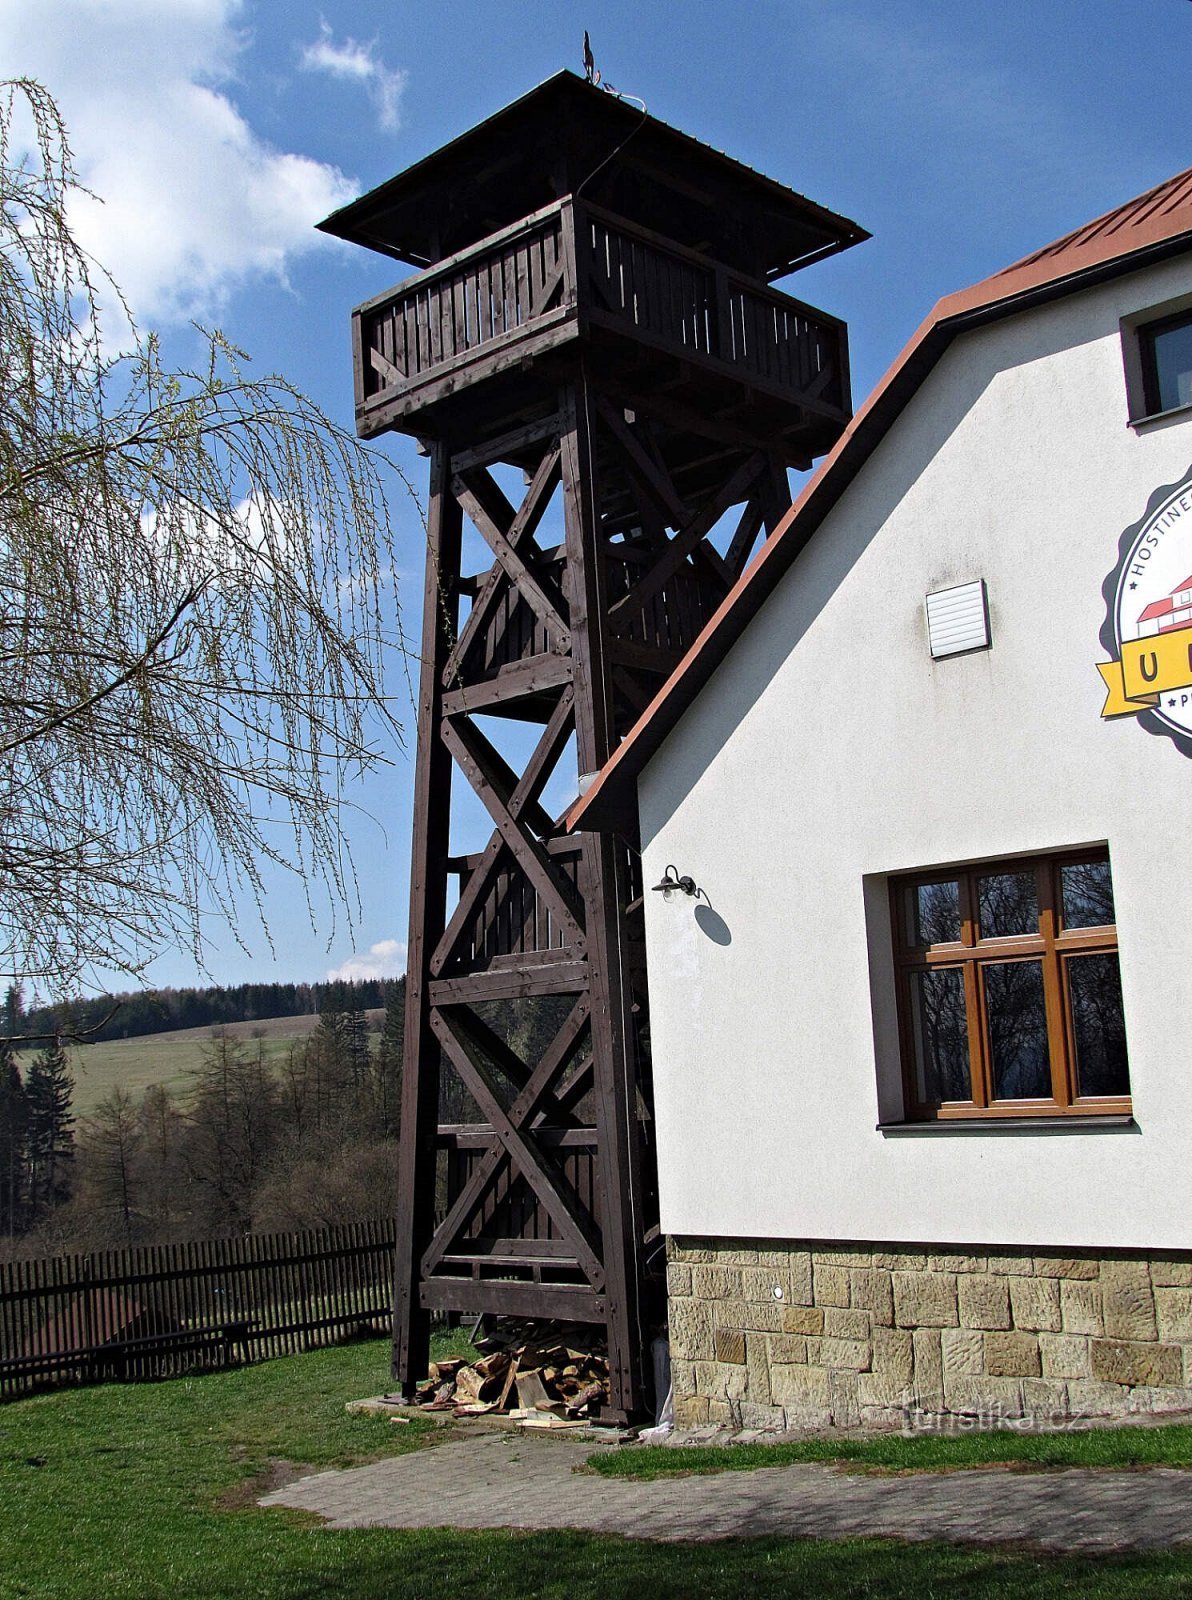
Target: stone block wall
{"x": 774, "y": 1334}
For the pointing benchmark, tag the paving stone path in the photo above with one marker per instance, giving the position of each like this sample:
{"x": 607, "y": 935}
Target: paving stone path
{"x": 506, "y": 1480}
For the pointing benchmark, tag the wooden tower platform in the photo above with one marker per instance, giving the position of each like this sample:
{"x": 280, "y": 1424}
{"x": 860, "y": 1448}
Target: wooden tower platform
{"x": 594, "y": 313}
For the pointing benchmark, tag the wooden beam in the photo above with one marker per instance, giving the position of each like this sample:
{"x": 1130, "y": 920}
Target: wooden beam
{"x": 564, "y": 845}
{"x": 481, "y": 766}
{"x": 497, "y": 772}
{"x": 474, "y": 988}
{"x": 507, "y": 446}
{"x": 649, "y": 474}
{"x": 560, "y": 1302}
{"x": 484, "y": 503}
{"x": 533, "y": 675}
{"x": 498, "y": 1250}
{"x": 479, "y": 1136}
{"x": 613, "y": 1064}
{"x": 643, "y": 657}
{"x": 636, "y": 694}
{"x": 528, "y": 791}
{"x": 428, "y": 891}
{"x": 744, "y": 539}
{"x": 677, "y": 414}
{"x": 776, "y": 496}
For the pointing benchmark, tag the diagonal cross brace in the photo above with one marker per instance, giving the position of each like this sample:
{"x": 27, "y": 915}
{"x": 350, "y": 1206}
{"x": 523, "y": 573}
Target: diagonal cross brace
{"x": 482, "y": 766}
{"x": 543, "y": 1174}
{"x": 686, "y": 540}
{"x": 521, "y": 1113}
{"x": 523, "y": 526}
{"x": 528, "y": 792}
{"x": 651, "y": 477}
{"x": 492, "y": 514}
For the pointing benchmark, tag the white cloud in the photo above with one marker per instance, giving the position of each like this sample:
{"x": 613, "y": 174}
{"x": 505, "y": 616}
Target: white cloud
{"x": 358, "y": 63}
{"x": 385, "y": 959}
{"x": 194, "y": 202}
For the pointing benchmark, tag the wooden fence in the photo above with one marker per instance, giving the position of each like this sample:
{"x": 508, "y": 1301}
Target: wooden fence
{"x": 167, "y": 1309}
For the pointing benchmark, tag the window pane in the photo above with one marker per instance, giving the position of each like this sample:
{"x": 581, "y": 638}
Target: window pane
{"x": 941, "y": 1035}
{"x": 1095, "y": 988}
{"x": 934, "y": 913}
{"x": 1087, "y": 894}
{"x": 1172, "y": 354}
{"x": 1019, "y": 1057}
{"x": 1008, "y": 904}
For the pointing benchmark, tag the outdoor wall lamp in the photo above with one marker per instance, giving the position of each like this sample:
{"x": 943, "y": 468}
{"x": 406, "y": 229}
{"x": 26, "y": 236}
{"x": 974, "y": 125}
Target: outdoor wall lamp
{"x": 672, "y": 881}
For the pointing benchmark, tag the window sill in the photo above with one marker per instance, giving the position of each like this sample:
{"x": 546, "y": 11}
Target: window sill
{"x": 1154, "y": 417}
{"x": 1123, "y": 1123}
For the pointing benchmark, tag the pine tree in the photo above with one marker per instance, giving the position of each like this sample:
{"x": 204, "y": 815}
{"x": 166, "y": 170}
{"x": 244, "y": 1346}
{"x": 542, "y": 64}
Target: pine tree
{"x": 49, "y": 1091}
{"x": 14, "y": 1143}
{"x": 329, "y": 1060}
{"x": 387, "y": 1074}
{"x": 14, "y": 1010}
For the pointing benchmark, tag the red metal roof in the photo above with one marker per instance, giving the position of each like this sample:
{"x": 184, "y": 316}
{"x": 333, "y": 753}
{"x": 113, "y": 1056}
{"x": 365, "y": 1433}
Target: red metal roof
{"x": 1153, "y": 212}
{"x": 1149, "y": 228}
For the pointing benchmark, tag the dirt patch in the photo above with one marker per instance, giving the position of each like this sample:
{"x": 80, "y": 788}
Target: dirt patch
{"x": 277, "y": 1475}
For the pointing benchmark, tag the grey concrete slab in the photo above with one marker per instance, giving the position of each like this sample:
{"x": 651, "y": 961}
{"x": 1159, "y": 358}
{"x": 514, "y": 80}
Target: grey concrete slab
{"x": 503, "y": 1480}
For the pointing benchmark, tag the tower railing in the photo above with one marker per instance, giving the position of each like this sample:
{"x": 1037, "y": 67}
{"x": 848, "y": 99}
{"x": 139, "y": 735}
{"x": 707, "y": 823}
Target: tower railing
{"x": 573, "y": 266}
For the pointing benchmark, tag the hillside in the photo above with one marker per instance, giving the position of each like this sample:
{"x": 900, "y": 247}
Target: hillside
{"x": 171, "y": 1058}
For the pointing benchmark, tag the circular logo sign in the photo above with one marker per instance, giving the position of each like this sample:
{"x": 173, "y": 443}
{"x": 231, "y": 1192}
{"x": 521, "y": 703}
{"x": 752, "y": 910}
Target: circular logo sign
{"x": 1148, "y": 619}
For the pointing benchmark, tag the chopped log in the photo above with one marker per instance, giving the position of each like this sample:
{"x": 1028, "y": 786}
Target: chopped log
{"x": 531, "y": 1391}
{"x": 468, "y": 1384}
{"x": 595, "y": 1393}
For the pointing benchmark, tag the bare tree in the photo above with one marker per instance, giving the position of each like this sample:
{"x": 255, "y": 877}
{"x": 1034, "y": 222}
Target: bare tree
{"x": 232, "y": 1128}
{"x": 194, "y": 609}
{"x": 162, "y": 1162}
{"x": 109, "y": 1197}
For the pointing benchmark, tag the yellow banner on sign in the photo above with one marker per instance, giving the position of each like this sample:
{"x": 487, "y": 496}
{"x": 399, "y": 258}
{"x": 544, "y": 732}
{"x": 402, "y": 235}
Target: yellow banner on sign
{"x": 1116, "y": 702}
{"x": 1151, "y": 666}
{"x": 1148, "y": 668}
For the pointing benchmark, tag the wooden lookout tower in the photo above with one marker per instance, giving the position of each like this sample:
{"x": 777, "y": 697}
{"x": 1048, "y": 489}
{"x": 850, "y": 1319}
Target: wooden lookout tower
{"x": 610, "y": 394}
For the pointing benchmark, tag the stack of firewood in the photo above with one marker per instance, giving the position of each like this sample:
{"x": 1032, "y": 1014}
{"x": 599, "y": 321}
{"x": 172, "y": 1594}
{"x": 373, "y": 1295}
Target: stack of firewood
{"x": 544, "y": 1377}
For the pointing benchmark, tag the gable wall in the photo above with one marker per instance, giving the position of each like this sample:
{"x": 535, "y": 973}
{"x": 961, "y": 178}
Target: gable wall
{"x": 830, "y": 750}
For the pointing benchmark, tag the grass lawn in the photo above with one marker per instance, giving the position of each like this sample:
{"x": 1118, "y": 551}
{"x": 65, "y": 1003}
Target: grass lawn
{"x": 143, "y": 1492}
{"x": 1169, "y": 1446}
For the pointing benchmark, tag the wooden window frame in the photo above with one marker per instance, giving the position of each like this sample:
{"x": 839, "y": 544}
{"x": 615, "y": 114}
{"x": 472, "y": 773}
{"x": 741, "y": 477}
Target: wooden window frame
{"x": 1051, "y": 945}
{"x": 1147, "y": 333}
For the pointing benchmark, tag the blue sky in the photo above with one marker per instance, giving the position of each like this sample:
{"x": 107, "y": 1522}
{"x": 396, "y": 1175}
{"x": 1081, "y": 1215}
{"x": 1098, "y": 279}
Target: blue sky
{"x": 219, "y": 131}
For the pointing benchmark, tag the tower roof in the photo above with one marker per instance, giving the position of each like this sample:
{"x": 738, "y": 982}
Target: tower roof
{"x": 568, "y": 137}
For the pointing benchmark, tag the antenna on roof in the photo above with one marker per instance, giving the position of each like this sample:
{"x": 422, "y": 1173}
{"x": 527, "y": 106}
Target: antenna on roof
{"x": 592, "y": 73}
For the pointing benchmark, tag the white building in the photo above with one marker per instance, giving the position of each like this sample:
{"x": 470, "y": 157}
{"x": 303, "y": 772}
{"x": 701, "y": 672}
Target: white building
{"x": 933, "y": 780}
